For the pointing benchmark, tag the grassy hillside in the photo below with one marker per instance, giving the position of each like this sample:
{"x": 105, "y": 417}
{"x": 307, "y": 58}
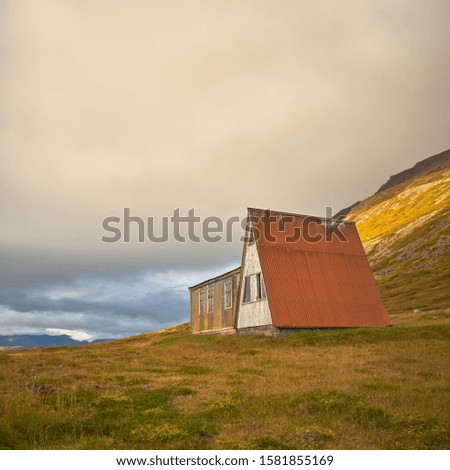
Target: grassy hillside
{"x": 406, "y": 233}
{"x": 345, "y": 389}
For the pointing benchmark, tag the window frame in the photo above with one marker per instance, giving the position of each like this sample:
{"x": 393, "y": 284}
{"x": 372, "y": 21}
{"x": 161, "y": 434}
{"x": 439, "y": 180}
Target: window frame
{"x": 258, "y": 286}
{"x": 263, "y": 289}
{"x": 210, "y": 303}
{"x": 227, "y": 284}
{"x": 247, "y": 284}
{"x": 255, "y": 287}
{"x": 201, "y": 302}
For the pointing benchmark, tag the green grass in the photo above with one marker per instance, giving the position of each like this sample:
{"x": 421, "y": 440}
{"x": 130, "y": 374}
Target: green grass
{"x": 383, "y": 388}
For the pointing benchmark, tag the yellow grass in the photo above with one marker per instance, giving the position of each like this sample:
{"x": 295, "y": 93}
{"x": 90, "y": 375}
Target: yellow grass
{"x": 346, "y": 389}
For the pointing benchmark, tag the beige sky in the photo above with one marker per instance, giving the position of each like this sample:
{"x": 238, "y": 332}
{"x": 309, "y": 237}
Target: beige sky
{"x": 212, "y": 105}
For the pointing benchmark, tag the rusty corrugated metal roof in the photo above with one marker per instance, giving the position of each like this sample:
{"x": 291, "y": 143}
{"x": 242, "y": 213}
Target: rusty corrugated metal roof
{"x": 321, "y": 283}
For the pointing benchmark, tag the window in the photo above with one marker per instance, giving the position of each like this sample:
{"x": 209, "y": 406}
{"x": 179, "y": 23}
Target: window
{"x": 254, "y": 288}
{"x": 263, "y": 289}
{"x": 247, "y": 289}
{"x": 258, "y": 286}
{"x": 201, "y": 310}
{"x": 210, "y": 299}
{"x": 228, "y": 294}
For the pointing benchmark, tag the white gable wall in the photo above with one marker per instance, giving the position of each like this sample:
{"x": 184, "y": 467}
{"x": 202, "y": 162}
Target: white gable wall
{"x": 255, "y": 313}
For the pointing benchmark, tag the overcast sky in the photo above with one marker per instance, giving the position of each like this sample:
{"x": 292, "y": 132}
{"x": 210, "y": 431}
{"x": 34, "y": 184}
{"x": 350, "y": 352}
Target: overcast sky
{"x": 212, "y": 105}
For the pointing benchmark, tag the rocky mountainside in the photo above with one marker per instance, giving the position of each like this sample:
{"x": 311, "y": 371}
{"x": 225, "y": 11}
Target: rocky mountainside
{"x": 441, "y": 160}
{"x": 405, "y": 229}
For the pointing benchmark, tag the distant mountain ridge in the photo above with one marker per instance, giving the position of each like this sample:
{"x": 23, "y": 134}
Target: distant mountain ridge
{"x": 38, "y": 341}
{"x": 440, "y": 160}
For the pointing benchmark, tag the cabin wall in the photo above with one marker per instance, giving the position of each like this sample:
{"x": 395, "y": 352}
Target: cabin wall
{"x": 256, "y": 313}
{"x": 220, "y": 319}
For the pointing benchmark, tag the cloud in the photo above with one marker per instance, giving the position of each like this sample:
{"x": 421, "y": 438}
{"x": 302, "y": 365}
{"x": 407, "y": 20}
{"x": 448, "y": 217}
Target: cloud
{"x": 74, "y": 334}
{"x": 101, "y": 307}
{"x": 215, "y": 106}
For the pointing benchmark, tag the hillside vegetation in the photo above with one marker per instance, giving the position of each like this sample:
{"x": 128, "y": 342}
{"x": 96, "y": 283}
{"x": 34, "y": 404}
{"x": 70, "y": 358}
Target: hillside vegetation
{"x": 345, "y": 389}
{"x": 406, "y": 234}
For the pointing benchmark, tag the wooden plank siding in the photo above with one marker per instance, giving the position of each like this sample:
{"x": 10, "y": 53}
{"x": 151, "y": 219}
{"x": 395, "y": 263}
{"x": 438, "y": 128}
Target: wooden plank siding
{"x": 220, "y": 319}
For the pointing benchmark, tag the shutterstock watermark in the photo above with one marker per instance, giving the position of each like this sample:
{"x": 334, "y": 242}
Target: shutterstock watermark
{"x": 271, "y": 226}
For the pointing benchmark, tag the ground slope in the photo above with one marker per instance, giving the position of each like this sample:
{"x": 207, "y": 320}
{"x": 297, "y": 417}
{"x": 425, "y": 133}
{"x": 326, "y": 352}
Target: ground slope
{"x": 405, "y": 230}
{"x": 383, "y": 388}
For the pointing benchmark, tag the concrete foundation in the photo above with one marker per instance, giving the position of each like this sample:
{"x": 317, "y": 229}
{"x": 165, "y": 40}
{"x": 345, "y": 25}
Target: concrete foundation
{"x": 270, "y": 330}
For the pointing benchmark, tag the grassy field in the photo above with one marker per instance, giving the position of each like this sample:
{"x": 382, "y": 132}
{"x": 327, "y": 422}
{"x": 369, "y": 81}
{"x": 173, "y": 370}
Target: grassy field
{"x": 338, "y": 389}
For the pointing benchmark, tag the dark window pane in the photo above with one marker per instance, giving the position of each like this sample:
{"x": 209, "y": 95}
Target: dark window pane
{"x": 258, "y": 286}
{"x": 247, "y": 290}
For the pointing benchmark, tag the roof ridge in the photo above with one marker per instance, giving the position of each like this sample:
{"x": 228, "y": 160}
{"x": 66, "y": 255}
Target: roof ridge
{"x": 293, "y": 214}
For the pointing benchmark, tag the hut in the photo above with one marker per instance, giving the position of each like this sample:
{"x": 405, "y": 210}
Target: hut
{"x": 297, "y": 273}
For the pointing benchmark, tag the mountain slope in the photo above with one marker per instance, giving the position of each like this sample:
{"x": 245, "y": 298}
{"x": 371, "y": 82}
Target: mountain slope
{"x": 405, "y": 230}
{"x": 441, "y": 160}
